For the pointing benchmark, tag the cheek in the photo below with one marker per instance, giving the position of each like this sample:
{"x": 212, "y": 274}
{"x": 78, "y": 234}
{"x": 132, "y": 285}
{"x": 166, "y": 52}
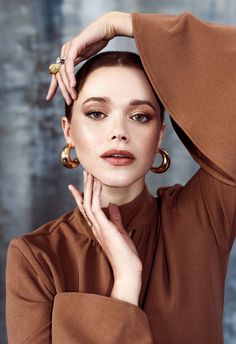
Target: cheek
{"x": 149, "y": 142}
{"x": 84, "y": 139}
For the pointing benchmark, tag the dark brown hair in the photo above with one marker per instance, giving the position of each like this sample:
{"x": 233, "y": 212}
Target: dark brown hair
{"x": 108, "y": 59}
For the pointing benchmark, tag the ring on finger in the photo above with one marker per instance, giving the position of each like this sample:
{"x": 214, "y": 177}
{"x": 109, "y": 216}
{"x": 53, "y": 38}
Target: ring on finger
{"x": 54, "y": 68}
{"x": 60, "y": 60}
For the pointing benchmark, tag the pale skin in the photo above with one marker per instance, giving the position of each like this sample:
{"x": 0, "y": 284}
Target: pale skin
{"x": 99, "y": 126}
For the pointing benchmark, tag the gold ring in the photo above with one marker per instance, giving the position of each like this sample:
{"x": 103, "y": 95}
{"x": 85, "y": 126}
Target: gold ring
{"x": 60, "y": 60}
{"x": 54, "y": 68}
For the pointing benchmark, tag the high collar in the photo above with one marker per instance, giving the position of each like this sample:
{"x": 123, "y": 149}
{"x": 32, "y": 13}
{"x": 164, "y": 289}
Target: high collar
{"x": 137, "y": 213}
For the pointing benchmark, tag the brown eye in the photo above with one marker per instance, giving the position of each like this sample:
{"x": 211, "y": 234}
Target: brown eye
{"x": 94, "y": 114}
{"x": 141, "y": 117}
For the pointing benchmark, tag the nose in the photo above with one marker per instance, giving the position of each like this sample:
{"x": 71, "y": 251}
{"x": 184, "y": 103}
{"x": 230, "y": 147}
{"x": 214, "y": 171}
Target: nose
{"x": 118, "y": 133}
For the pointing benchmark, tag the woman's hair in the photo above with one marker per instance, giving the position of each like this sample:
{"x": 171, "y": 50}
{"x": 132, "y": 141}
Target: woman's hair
{"x": 108, "y": 59}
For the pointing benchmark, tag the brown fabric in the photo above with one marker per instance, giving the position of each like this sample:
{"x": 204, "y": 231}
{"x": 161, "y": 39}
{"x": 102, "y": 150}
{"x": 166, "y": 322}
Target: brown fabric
{"x": 58, "y": 278}
{"x": 191, "y": 65}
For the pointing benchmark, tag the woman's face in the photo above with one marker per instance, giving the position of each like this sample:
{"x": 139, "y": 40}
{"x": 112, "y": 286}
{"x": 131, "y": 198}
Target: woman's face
{"x": 116, "y": 109}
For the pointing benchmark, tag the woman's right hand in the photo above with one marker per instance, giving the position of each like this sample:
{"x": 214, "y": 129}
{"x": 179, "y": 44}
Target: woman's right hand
{"x": 86, "y": 44}
{"x": 113, "y": 239}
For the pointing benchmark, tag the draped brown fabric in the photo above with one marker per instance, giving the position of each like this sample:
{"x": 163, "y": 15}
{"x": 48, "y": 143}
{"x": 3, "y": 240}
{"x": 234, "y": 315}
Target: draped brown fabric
{"x": 191, "y": 65}
{"x": 59, "y": 280}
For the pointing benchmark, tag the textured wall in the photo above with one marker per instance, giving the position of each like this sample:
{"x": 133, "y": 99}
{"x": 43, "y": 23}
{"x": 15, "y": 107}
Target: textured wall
{"x": 33, "y": 183}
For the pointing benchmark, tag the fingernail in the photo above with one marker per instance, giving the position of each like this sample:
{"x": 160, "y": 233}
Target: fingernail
{"x": 69, "y": 187}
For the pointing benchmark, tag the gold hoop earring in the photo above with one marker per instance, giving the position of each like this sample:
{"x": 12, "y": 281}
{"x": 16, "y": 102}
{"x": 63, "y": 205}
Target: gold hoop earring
{"x": 66, "y": 159}
{"x": 165, "y": 162}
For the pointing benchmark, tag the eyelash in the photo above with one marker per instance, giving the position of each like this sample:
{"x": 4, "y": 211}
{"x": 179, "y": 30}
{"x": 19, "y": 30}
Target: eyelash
{"x": 88, "y": 114}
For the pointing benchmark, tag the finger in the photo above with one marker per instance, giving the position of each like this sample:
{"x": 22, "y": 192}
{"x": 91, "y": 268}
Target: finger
{"x": 79, "y": 200}
{"x": 64, "y": 51}
{"x": 87, "y": 199}
{"x": 95, "y": 226}
{"x": 63, "y": 89}
{"x": 70, "y": 63}
{"x": 100, "y": 220}
{"x": 88, "y": 193}
{"x": 78, "y": 60}
{"x": 52, "y": 88}
{"x": 99, "y": 215}
{"x": 76, "y": 194}
{"x": 63, "y": 73}
{"x": 115, "y": 217}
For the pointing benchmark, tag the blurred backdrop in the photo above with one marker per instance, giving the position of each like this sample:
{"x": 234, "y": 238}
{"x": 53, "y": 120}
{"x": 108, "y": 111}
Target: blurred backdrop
{"x": 33, "y": 183}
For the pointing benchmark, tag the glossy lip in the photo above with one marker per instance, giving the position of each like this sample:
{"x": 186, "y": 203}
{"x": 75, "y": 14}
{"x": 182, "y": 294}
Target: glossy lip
{"x": 126, "y": 154}
{"x": 119, "y": 161}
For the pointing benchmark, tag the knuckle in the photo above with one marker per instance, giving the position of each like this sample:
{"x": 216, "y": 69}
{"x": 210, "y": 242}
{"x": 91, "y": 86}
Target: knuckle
{"x": 64, "y": 46}
{"x": 116, "y": 217}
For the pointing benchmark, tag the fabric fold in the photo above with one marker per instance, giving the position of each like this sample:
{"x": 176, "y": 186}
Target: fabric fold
{"x": 90, "y": 318}
{"x": 191, "y": 65}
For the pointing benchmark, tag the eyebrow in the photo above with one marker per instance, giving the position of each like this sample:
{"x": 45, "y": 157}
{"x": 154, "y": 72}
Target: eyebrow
{"x": 107, "y": 100}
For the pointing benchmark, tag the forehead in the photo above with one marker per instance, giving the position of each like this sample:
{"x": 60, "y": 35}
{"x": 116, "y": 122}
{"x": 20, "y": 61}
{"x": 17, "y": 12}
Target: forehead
{"x": 117, "y": 81}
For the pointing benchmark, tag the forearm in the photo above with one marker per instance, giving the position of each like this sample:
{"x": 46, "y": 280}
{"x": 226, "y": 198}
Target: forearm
{"x": 127, "y": 289}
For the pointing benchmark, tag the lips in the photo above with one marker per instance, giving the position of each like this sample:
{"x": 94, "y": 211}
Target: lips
{"x": 121, "y": 153}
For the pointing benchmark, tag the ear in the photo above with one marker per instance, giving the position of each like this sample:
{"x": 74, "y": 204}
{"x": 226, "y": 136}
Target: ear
{"x": 164, "y": 125}
{"x": 65, "y": 124}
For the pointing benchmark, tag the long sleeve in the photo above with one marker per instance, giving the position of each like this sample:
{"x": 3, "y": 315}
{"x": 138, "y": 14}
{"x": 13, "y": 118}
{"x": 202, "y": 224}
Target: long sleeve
{"x": 192, "y": 67}
{"x": 91, "y": 318}
{"x": 29, "y": 297}
{"x": 36, "y": 313}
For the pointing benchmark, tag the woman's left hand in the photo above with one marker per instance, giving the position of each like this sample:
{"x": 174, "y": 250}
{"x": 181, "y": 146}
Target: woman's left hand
{"x": 85, "y": 44}
{"x": 111, "y": 235}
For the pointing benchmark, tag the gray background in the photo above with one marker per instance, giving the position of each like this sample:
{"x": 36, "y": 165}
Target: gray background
{"x": 33, "y": 183}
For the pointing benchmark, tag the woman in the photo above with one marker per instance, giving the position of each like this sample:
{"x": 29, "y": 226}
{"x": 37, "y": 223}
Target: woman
{"x": 139, "y": 270}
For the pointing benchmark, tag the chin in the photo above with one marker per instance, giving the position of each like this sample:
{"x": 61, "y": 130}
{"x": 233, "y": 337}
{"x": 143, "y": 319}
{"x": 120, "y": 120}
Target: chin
{"x": 118, "y": 181}
{"x": 117, "y": 178}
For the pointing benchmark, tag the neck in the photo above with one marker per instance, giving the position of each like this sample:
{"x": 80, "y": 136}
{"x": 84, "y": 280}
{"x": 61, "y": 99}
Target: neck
{"x": 121, "y": 195}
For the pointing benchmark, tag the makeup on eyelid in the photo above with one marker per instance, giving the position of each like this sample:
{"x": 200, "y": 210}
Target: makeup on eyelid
{"x": 144, "y": 116}
{"x": 118, "y": 124}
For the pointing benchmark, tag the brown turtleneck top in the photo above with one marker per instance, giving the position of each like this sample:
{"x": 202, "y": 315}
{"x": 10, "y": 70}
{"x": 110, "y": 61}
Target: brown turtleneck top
{"x": 59, "y": 280}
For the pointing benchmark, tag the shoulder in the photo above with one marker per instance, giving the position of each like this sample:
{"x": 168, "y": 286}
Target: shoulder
{"x": 168, "y": 194}
{"x": 181, "y": 200}
{"x": 55, "y": 235}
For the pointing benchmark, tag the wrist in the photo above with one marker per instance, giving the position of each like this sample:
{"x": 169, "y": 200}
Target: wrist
{"x": 127, "y": 289}
{"x": 122, "y": 23}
